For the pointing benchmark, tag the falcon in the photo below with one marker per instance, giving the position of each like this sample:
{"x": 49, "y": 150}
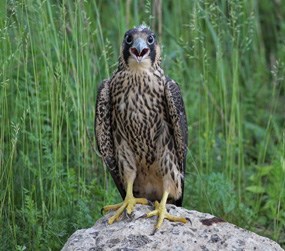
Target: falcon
{"x": 141, "y": 129}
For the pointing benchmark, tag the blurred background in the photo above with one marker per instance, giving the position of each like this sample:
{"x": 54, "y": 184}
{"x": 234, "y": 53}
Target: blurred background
{"x": 229, "y": 60}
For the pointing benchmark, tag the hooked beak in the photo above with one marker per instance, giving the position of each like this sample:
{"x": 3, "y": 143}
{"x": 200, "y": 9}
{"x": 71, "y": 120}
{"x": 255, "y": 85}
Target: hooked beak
{"x": 139, "y": 50}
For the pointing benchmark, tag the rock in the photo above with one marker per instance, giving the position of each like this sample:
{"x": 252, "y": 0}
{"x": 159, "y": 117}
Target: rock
{"x": 205, "y": 232}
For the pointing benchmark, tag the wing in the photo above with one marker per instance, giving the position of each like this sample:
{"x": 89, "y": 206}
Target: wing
{"x": 177, "y": 116}
{"x": 103, "y": 133}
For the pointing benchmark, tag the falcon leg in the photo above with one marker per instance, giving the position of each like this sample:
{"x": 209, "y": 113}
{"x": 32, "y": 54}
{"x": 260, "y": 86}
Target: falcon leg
{"x": 128, "y": 204}
{"x": 160, "y": 211}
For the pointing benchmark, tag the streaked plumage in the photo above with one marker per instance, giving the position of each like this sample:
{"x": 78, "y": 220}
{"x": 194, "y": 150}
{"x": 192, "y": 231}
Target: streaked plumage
{"x": 140, "y": 125}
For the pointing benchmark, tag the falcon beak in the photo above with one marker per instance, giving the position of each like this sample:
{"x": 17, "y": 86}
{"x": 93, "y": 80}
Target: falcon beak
{"x": 139, "y": 50}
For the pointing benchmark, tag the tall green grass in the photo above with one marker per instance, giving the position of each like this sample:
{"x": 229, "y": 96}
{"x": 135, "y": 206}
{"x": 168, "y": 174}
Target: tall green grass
{"x": 228, "y": 58}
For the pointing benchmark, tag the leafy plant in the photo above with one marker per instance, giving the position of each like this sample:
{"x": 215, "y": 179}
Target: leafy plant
{"x": 228, "y": 58}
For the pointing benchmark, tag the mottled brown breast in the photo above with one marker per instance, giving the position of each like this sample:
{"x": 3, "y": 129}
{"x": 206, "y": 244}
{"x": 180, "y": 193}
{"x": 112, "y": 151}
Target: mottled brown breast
{"x": 138, "y": 113}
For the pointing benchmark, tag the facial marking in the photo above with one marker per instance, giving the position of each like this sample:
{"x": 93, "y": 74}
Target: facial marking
{"x": 139, "y": 48}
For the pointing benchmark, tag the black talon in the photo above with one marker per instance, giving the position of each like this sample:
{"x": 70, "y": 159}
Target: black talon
{"x": 154, "y": 231}
{"x": 102, "y": 211}
{"x": 188, "y": 220}
{"x": 142, "y": 216}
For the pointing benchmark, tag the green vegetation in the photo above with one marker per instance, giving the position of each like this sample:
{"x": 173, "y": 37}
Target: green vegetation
{"x": 229, "y": 58}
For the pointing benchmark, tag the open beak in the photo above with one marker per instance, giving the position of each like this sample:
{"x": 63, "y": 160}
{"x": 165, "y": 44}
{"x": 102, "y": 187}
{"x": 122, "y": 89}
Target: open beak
{"x": 139, "y": 50}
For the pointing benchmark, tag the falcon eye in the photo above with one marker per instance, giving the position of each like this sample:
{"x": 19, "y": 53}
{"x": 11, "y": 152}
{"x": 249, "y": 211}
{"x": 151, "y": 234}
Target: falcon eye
{"x": 150, "y": 39}
{"x": 129, "y": 39}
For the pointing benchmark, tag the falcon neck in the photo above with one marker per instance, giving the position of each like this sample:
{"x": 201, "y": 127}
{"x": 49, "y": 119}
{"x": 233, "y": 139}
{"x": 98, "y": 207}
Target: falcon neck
{"x": 152, "y": 68}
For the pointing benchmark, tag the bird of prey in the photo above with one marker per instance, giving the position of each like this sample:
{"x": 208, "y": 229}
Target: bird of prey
{"x": 141, "y": 129}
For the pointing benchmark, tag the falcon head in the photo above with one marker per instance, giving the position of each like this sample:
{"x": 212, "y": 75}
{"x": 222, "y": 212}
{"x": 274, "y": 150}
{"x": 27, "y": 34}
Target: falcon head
{"x": 140, "y": 49}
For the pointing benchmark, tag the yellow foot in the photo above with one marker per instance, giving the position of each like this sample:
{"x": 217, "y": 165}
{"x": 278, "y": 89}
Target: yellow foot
{"x": 128, "y": 203}
{"x": 160, "y": 211}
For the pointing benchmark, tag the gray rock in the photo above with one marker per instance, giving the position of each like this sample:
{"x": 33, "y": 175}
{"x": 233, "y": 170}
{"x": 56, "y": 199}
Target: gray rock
{"x": 204, "y": 232}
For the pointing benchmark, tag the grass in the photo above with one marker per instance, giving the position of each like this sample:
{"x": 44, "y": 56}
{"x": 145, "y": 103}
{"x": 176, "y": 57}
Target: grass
{"x": 229, "y": 60}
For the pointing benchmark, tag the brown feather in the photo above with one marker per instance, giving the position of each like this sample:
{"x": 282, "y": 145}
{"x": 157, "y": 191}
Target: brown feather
{"x": 141, "y": 127}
